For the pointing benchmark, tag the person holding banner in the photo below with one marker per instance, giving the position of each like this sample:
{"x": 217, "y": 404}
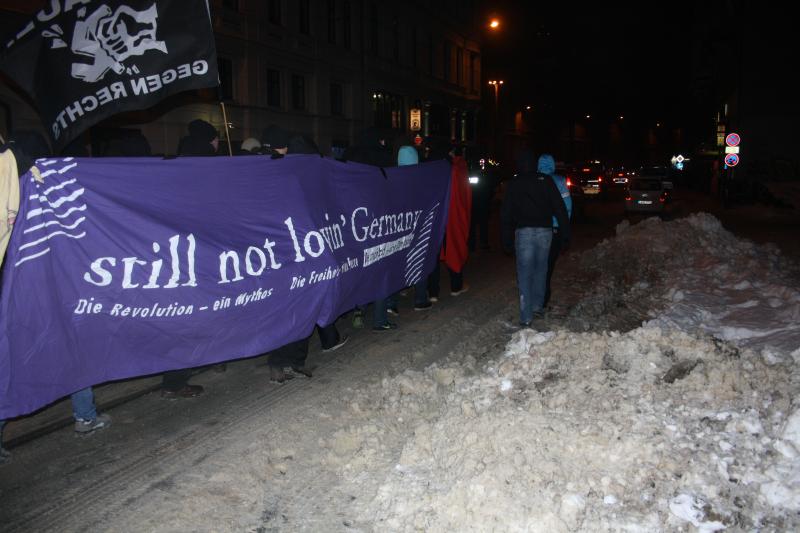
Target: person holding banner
{"x": 87, "y": 419}
{"x": 202, "y": 140}
{"x": 454, "y": 249}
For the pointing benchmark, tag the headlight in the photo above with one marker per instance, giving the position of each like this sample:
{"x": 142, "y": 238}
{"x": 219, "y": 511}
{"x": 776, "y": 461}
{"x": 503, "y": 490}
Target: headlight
{"x": 473, "y": 180}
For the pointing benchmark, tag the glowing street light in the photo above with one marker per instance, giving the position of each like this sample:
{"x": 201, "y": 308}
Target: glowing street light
{"x": 527, "y": 108}
{"x": 494, "y": 24}
{"x": 588, "y": 116}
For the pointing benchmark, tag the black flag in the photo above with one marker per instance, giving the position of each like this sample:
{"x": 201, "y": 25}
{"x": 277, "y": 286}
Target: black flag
{"x": 84, "y": 60}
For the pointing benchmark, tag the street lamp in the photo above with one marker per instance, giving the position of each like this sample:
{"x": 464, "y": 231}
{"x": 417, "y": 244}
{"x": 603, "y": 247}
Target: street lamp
{"x": 496, "y": 84}
{"x": 494, "y": 24}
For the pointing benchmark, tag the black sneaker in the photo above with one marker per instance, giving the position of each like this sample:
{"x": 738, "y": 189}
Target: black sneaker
{"x": 393, "y": 311}
{"x": 423, "y": 307}
{"x": 341, "y": 343}
{"x": 385, "y": 327}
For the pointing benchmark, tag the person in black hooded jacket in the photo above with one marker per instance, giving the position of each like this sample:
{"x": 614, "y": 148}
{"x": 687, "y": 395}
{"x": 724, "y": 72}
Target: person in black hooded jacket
{"x": 531, "y": 201}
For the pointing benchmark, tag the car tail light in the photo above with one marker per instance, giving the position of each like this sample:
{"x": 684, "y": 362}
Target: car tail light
{"x": 620, "y": 174}
{"x": 662, "y": 198}
{"x": 600, "y": 179}
{"x": 586, "y": 169}
{"x": 569, "y": 182}
{"x": 628, "y": 198}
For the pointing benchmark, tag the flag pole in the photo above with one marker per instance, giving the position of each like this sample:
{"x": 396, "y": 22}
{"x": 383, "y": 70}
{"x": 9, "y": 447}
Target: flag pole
{"x": 227, "y": 130}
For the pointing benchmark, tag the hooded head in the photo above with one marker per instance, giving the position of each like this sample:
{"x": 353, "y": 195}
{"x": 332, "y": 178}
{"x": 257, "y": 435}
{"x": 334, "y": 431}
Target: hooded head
{"x": 407, "y": 156}
{"x": 547, "y": 164}
{"x": 276, "y": 137}
{"x": 202, "y": 131}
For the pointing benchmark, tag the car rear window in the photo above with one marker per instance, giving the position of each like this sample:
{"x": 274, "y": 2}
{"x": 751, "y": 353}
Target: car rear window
{"x": 646, "y": 185}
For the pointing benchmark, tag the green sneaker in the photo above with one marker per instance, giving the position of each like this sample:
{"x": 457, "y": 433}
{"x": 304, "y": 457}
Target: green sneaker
{"x": 358, "y": 320}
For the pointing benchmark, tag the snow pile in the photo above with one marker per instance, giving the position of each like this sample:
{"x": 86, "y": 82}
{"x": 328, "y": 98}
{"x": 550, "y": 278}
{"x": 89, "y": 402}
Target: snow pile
{"x": 646, "y": 431}
{"x": 693, "y": 275}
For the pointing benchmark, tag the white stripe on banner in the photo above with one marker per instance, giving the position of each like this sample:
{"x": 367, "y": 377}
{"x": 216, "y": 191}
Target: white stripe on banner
{"x": 50, "y": 236}
{"x": 52, "y": 222}
{"x": 40, "y": 211}
{"x": 29, "y": 257}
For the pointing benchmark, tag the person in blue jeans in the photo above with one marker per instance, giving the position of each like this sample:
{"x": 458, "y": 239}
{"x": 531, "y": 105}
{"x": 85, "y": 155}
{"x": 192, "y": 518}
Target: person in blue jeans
{"x": 531, "y": 201}
{"x": 84, "y": 411}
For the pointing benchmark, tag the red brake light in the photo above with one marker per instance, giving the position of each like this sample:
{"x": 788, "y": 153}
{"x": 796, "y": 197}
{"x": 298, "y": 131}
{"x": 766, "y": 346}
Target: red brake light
{"x": 586, "y": 169}
{"x": 569, "y": 182}
{"x": 620, "y": 174}
{"x": 628, "y": 198}
{"x": 600, "y": 178}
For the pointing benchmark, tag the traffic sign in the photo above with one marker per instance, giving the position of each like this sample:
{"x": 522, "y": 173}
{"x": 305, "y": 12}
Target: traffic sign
{"x": 731, "y": 149}
{"x": 733, "y": 139}
{"x": 732, "y": 160}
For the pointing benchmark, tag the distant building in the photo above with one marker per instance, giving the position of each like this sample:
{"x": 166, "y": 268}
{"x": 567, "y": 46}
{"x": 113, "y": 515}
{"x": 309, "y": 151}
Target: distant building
{"x": 325, "y": 68}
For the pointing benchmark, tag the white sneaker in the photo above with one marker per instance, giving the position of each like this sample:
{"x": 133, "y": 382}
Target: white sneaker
{"x": 84, "y": 427}
{"x": 462, "y": 291}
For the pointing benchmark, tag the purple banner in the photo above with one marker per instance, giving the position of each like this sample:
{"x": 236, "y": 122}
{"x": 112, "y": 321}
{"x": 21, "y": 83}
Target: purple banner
{"x": 126, "y": 267}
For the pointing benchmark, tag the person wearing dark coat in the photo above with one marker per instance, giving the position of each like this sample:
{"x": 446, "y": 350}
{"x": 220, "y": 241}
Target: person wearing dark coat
{"x": 531, "y": 201}
{"x": 201, "y": 141}
{"x": 280, "y": 142}
{"x": 372, "y": 148}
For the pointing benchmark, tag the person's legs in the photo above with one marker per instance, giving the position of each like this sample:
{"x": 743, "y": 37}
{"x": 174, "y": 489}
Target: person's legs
{"x": 421, "y": 295}
{"x": 328, "y": 336}
{"x": 523, "y": 241}
{"x": 456, "y": 282}
{"x": 391, "y": 304}
{"x": 85, "y": 413}
{"x": 380, "y": 313}
{"x": 5, "y": 456}
{"x": 83, "y": 405}
{"x": 433, "y": 282}
{"x": 175, "y": 384}
{"x": 542, "y": 239}
{"x": 555, "y": 250}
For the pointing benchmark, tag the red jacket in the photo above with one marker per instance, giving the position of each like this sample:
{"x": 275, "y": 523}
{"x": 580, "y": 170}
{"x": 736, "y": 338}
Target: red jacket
{"x": 454, "y": 251}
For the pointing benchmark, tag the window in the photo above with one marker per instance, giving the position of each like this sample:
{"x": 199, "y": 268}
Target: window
{"x": 225, "y": 68}
{"x": 273, "y": 87}
{"x": 388, "y": 109}
{"x": 337, "y": 100}
{"x": 274, "y": 12}
{"x": 347, "y": 32}
{"x": 298, "y": 92}
{"x": 304, "y": 15}
{"x": 332, "y": 21}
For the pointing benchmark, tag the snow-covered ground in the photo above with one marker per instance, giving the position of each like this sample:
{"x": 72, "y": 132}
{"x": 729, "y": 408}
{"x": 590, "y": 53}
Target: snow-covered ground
{"x": 690, "y": 422}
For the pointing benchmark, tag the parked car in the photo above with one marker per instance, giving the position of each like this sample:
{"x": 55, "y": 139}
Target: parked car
{"x": 590, "y": 179}
{"x": 646, "y": 194}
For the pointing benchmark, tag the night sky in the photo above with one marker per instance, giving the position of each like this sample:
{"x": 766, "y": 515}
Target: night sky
{"x": 596, "y": 58}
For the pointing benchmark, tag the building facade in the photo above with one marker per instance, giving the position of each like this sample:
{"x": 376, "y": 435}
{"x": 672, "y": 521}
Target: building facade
{"x": 324, "y": 68}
